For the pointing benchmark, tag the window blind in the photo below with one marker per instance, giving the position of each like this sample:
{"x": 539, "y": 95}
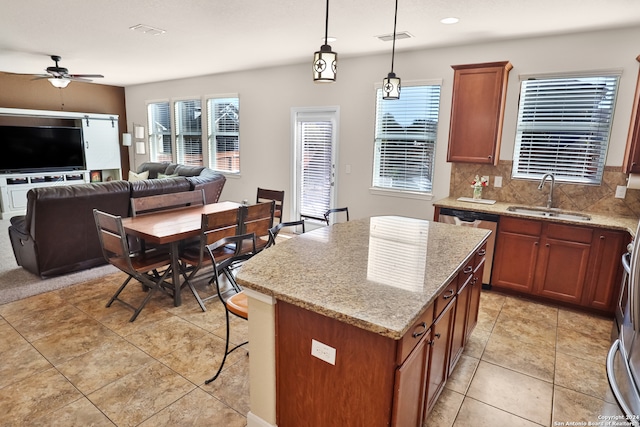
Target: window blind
{"x": 159, "y": 126}
{"x": 224, "y": 134}
{"x": 189, "y": 132}
{"x": 315, "y": 170}
{"x": 563, "y": 128}
{"x": 405, "y": 139}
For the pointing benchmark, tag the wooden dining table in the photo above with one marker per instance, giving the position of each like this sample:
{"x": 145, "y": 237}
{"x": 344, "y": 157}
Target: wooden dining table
{"x": 171, "y": 227}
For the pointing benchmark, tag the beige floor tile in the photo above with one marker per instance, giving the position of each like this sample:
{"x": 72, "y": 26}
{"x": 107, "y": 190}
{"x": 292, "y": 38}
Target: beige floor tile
{"x": 39, "y": 324}
{"x": 569, "y": 405}
{"x": 10, "y": 337}
{"x": 146, "y": 391}
{"x": 519, "y": 308}
{"x": 491, "y": 300}
{"x": 28, "y": 306}
{"x": 581, "y": 344}
{"x": 232, "y": 386}
{"x": 583, "y": 376}
{"x": 20, "y": 362}
{"x": 80, "y": 413}
{"x": 478, "y": 414}
{"x": 98, "y": 288}
{"x": 196, "y": 409}
{"x": 513, "y": 392}
{"x": 445, "y": 410}
{"x": 462, "y": 374}
{"x": 598, "y": 327}
{"x": 476, "y": 343}
{"x": 517, "y": 328}
{"x": 519, "y": 356}
{"x": 110, "y": 362}
{"x": 35, "y": 397}
{"x": 487, "y": 318}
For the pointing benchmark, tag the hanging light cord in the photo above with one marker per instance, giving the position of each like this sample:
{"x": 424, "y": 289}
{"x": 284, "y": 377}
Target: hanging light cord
{"x": 393, "y": 48}
{"x": 326, "y": 25}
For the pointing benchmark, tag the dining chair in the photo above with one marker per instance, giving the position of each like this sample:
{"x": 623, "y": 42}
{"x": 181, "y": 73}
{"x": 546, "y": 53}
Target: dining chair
{"x": 265, "y": 195}
{"x": 327, "y": 214}
{"x": 150, "y": 204}
{"x": 140, "y": 266}
{"x": 237, "y": 303}
{"x": 194, "y": 258}
{"x": 275, "y": 230}
{"x": 258, "y": 219}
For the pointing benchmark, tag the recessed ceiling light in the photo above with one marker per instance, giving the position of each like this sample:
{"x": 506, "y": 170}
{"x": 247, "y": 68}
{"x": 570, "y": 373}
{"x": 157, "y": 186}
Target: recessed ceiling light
{"x": 399, "y": 36}
{"x": 146, "y": 29}
{"x": 448, "y": 21}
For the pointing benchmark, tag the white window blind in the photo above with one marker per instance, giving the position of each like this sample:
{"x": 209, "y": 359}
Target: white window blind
{"x": 405, "y": 139}
{"x": 224, "y": 134}
{"x": 159, "y": 125}
{"x": 188, "y": 117}
{"x": 563, "y": 128}
{"x": 316, "y": 168}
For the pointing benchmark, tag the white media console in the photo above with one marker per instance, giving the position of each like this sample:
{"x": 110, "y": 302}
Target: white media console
{"x": 101, "y": 151}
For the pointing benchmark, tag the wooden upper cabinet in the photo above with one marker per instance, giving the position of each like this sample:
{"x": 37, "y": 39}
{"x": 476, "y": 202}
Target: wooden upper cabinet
{"x": 632, "y": 155}
{"x": 477, "y": 110}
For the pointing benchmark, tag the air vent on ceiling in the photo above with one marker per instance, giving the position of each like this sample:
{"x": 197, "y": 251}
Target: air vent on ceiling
{"x": 399, "y": 36}
{"x": 146, "y": 29}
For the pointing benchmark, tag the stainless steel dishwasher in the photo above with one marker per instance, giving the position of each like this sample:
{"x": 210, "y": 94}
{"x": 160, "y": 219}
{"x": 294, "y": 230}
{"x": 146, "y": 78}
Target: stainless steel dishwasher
{"x": 477, "y": 220}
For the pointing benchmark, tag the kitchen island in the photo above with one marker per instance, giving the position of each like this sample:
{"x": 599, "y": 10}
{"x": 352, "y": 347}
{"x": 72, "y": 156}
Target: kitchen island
{"x": 361, "y": 322}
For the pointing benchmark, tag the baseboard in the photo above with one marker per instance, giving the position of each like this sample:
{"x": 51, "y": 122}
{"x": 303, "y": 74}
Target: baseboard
{"x": 255, "y": 421}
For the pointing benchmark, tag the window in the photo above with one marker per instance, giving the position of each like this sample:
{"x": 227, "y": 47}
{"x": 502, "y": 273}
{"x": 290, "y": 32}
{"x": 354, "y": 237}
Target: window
{"x": 224, "y": 134}
{"x": 159, "y": 126}
{"x": 563, "y": 128}
{"x": 189, "y": 132}
{"x": 405, "y": 139}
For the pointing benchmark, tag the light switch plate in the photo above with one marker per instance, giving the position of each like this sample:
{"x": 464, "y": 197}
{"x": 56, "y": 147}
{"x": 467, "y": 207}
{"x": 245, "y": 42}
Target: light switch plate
{"x": 621, "y": 192}
{"x": 497, "y": 181}
{"x": 323, "y": 352}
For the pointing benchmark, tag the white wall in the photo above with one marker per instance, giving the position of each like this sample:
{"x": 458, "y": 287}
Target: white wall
{"x": 267, "y": 96}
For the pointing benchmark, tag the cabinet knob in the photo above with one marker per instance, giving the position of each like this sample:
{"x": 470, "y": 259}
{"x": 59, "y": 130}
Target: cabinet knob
{"x": 602, "y": 237}
{"x": 536, "y": 243}
{"x": 547, "y": 245}
{"x": 420, "y": 333}
{"x": 467, "y": 269}
{"x": 482, "y": 252}
{"x": 431, "y": 343}
{"x": 451, "y": 293}
{"x": 490, "y": 157}
{"x": 438, "y": 335}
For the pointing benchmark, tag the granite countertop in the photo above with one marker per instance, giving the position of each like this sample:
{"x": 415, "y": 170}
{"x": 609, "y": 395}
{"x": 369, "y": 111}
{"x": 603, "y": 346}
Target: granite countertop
{"x": 597, "y": 220}
{"x": 379, "y": 273}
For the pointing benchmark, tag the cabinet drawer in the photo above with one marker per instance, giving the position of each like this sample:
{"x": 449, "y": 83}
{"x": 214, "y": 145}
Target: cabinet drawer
{"x": 569, "y": 233}
{"x": 480, "y": 254}
{"x": 466, "y": 273}
{"x": 520, "y": 226}
{"x": 445, "y": 297}
{"x": 415, "y": 333}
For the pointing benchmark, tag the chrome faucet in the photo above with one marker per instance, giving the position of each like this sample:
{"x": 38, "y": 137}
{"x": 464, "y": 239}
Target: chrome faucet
{"x": 542, "y": 181}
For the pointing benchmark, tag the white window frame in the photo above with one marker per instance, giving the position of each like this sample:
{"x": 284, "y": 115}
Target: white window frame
{"x": 210, "y": 145}
{"x": 179, "y": 133}
{"x": 553, "y": 146}
{"x": 152, "y": 134}
{"x": 415, "y": 192}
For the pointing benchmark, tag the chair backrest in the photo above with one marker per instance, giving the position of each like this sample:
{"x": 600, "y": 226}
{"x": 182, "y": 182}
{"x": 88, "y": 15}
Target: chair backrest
{"x": 149, "y": 204}
{"x": 273, "y": 231}
{"x": 265, "y": 195}
{"x": 258, "y": 219}
{"x": 113, "y": 239}
{"x": 328, "y": 213}
{"x": 219, "y": 225}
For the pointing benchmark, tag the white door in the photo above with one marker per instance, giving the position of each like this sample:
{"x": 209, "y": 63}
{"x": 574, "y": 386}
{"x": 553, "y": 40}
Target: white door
{"x": 101, "y": 146}
{"x": 315, "y": 146}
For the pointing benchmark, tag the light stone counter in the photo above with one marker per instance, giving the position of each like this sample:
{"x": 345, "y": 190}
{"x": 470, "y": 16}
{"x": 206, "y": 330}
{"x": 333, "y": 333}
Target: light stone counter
{"x": 598, "y": 220}
{"x": 378, "y": 274}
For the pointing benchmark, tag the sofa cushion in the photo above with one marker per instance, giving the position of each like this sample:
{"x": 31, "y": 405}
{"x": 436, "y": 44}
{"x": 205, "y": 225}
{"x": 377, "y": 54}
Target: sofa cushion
{"x": 154, "y": 168}
{"x": 152, "y": 187}
{"x": 183, "y": 170}
{"x": 138, "y": 176}
{"x": 163, "y": 176}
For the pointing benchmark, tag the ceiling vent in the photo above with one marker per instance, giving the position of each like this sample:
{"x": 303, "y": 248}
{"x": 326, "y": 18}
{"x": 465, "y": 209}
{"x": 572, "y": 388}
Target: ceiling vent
{"x": 399, "y": 36}
{"x": 146, "y": 29}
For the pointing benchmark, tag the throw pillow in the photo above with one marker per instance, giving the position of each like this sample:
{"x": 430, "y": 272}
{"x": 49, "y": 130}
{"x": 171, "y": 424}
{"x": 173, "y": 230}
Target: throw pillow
{"x": 138, "y": 176}
{"x": 161, "y": 175}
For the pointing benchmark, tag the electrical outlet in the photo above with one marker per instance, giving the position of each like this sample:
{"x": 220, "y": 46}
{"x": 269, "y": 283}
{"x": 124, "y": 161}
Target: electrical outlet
{"x": 497, "y": 181}
{"x": 621, "y": 192}
{"x": 323, "y": 352}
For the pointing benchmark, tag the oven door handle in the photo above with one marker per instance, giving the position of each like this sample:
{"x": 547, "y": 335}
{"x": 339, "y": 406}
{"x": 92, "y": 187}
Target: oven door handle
{"x": 626, "y": 263}
{"x": 615, "y": 348}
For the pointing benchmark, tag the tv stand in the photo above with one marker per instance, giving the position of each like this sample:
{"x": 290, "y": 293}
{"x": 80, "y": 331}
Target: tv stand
{"x": 14, "y": 187}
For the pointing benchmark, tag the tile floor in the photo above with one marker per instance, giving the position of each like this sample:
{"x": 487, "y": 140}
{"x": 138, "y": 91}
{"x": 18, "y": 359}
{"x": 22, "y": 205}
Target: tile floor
{"x": 66, "y": 360}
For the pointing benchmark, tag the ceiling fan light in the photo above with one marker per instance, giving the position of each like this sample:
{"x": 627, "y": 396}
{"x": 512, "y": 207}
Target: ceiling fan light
{"x": 59, "y": 82}
{"x": 391, "y": 87}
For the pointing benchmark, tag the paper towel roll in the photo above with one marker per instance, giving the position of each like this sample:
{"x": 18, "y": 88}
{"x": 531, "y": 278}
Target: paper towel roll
{"x": 634, "y": 181}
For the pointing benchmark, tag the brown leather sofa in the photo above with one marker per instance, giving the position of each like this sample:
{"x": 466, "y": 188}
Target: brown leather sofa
{"x": 58, "y": 233}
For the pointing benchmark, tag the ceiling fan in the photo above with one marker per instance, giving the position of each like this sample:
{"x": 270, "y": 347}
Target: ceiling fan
{"x": 60, "y": 77}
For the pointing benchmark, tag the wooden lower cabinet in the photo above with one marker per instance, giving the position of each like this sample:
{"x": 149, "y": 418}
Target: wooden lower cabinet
{"x": 439, "y": 361}
{"x": 410, "y": 383}
{"x": 559, "y": 262}
{"x": 474, "y": 294}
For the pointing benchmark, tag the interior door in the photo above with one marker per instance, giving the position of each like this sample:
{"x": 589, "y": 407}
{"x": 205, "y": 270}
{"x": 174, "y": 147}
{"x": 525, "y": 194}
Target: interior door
{"x": 315, "y": 140}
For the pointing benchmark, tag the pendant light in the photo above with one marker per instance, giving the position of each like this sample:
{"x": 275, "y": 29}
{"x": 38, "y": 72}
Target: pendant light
{"x": 391, "y": 84}
{"x": 325, "y": 60}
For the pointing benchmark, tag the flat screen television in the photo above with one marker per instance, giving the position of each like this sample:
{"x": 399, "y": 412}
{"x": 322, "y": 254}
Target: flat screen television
{"x": 39, "y": 149}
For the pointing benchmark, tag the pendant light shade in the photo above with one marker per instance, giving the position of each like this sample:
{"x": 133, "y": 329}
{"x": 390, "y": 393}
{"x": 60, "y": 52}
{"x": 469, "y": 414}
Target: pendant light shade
{"x": 325, "y": 61}
{"x": 391, "y": 84}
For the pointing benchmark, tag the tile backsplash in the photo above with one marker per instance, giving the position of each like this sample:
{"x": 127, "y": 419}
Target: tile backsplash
{"x": 574, "y": 197}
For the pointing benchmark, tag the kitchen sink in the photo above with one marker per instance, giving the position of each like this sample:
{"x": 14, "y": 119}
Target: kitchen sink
{"x": 549, "y": 213}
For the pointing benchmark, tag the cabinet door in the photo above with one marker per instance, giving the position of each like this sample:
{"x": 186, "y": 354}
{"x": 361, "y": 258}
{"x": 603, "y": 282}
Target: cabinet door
{"x": 563, "y": 262}
{"x": 475, "y": 287}
{"x": 459, "y": 333}
{"x": 515, "y": 261}
{"x": 439, "y": 360}
{"x": 605, "y": 275}
{"x": 101, "y": 146}
{"x": 410, "y": 383}
{"x": 477, "y": 110}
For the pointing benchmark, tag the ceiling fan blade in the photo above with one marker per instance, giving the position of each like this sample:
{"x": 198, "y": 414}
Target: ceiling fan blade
{"x": 92, "y": 76}
{"x": 41, "y": 76}
{"x": 79, "y": 79}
